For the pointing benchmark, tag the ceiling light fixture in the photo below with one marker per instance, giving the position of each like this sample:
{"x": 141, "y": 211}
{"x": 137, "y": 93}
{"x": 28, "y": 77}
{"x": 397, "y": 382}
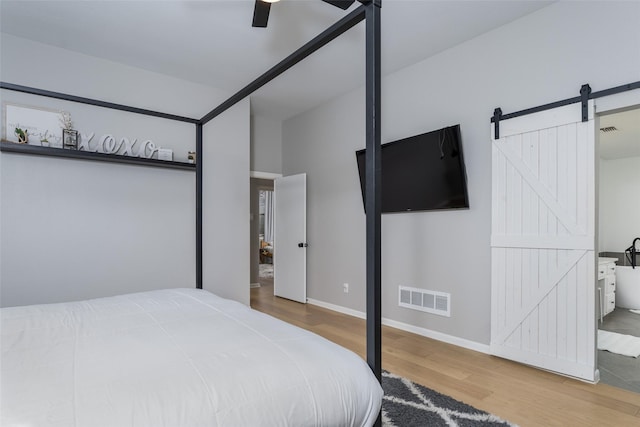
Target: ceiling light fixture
{"x": 262, "y": 8}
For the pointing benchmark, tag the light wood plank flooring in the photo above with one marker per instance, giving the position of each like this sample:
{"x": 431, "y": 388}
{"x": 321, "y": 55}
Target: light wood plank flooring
{"x": 520, "y": 394}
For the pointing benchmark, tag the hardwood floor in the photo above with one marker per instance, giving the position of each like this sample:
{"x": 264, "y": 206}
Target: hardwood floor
{"x": 520, "y": 394}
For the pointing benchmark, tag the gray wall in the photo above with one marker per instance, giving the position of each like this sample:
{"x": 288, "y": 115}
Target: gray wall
{"x": 75, "y": 229}
{"x": 543, "y": 57}
{"x": 266, "y": 156}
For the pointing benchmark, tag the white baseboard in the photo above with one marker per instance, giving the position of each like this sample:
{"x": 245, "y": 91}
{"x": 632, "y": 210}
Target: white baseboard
{"x": 428, "y": 333}
{"x": 254, "y": 285}
{"x": 338, "y": 308}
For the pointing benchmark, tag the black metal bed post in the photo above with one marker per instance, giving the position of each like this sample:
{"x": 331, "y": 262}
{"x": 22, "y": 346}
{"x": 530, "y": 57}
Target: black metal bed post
{"x": 198, "y": 161}
{"x": 373, "y": 188}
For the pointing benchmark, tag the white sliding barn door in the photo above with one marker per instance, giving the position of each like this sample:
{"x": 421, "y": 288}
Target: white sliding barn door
{"x": 543, "y": 240}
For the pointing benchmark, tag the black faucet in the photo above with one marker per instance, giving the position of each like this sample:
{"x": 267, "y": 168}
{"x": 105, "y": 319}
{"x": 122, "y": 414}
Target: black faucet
{"x": 632, "y": 251}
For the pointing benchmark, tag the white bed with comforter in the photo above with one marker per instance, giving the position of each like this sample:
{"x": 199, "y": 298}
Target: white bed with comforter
{"x": 179, "y": 357}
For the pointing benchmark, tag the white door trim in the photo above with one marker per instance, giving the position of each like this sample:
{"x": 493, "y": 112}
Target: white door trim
{"x": 619, "y": 101}
{"x": 264, "y": 175}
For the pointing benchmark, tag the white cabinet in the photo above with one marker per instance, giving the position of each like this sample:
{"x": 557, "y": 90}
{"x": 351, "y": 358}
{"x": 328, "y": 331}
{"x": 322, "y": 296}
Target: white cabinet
{"x": 609, "y": 294}
{"x": 607, "y": 285}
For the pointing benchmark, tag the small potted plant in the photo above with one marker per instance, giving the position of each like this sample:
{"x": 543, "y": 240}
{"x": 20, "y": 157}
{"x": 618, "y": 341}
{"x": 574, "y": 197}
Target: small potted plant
{"x": 191, "y": 156}
{"x": 44, "y": 140}
{"x": 23, "y": 135}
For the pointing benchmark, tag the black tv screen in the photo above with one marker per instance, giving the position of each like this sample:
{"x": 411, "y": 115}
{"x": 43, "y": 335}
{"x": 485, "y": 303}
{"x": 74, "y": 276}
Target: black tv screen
{"x": 421, "y": 173}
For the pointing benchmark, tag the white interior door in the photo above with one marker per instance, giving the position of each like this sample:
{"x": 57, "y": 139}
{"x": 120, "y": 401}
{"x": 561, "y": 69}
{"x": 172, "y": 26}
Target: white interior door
{"x": 290, "y": 245}
{"x": 543, "y": 241}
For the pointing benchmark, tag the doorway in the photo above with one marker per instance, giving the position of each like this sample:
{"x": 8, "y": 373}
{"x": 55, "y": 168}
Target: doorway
{"x": 265, "y": 235}
{"x": 618, "y": 207}
{"x": 279, "y": 251}
{"x": 261, "y": 232}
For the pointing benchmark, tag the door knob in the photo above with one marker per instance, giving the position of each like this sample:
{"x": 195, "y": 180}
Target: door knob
{"x": 302, "y": 245}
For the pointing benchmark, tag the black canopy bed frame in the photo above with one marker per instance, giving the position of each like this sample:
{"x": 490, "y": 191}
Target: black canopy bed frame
{"x": 369, "y": 11}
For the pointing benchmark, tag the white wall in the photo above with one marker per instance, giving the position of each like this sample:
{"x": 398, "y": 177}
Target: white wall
{"x": 74, "y": 229}
{"x": 619, "y": 203}
{"x": 541, "y": 58}
{"x": 266, "y": 145}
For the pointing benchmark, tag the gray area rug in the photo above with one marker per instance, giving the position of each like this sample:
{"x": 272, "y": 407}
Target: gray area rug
{"x": 266, "y": 270}
{"x": 407, "y": 404}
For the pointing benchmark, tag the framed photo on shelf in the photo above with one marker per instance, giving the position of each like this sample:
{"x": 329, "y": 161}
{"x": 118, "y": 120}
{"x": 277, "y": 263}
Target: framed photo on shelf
{"x": 70, "y": 139}
{"x": 42, "y": 125}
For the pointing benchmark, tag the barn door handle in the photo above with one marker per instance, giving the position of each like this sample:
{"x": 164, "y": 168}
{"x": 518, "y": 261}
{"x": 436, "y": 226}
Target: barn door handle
{"x": 302, "y": 245}
{"x": 601, "y": 304}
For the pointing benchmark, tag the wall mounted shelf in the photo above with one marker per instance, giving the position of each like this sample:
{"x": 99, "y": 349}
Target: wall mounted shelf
{"x": 34, "y": 150}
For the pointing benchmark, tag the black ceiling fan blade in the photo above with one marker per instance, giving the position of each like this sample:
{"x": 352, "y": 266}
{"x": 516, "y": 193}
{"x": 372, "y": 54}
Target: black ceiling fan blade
{"x": 342, "y": 4}
{"x": 261, "y": 14}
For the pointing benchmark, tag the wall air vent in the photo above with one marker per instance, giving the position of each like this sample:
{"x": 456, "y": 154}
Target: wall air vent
{"x": 429, "y": 301}
{"x": 609, "y": 129}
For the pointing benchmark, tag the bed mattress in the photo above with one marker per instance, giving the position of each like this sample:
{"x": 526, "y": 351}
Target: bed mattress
{"x": 179, "y": 357}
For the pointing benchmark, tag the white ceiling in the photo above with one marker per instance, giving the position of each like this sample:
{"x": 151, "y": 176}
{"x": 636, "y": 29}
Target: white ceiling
{"x": 623, "y": 142}
{"x": 212, "y": 42}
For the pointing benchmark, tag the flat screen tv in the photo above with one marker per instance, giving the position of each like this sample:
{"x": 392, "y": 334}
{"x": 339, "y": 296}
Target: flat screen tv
{"x": 421, "y": 173}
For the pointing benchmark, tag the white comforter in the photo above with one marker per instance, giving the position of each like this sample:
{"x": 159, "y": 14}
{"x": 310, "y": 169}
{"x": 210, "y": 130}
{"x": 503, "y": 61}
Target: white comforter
{"x": 180, "y": 357}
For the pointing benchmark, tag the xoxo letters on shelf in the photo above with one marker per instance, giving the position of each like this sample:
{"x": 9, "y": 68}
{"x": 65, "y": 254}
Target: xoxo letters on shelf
{"x": 109, "y": 145}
